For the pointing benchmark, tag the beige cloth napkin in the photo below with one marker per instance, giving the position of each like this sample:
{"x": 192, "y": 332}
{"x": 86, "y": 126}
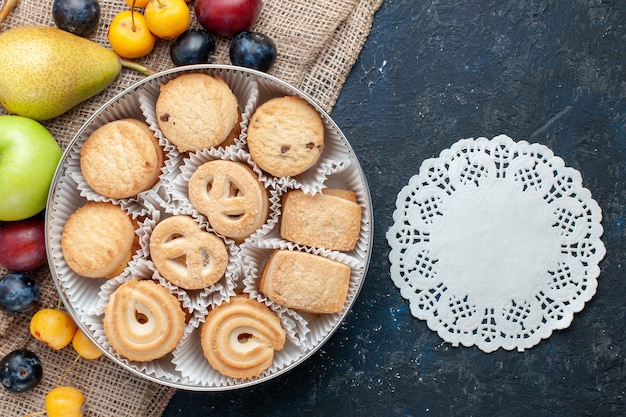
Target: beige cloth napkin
{"x": 318, "y": 42}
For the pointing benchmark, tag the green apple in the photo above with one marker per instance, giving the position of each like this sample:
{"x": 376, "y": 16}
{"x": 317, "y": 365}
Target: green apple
{"x": 29, "y": 156}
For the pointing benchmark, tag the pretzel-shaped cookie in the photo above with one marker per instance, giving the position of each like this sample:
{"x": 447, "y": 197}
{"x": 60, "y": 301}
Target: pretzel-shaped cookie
{"x": 186, "y": 255}
{"x": 231, "y": 196}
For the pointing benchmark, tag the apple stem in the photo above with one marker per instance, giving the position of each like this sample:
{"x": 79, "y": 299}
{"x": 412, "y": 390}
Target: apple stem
{"x": 6, "y": 9}
{"x": 136, "y": 66}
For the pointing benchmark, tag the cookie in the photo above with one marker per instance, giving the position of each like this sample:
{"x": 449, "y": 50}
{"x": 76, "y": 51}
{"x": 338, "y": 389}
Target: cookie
{"x": 239, "y": 337}
{"x": 143, "y": 321}
{"x": 186, "y": 255}
{"x": 98, "y": 240}
{"x": 285, "y": 136}
{"x": 197, "y": 111}
{"x": 330, "y": 220}
{"x": 230, "y": 195}
{"x": 306, "y": 282}
{"x": 121, "y": 159}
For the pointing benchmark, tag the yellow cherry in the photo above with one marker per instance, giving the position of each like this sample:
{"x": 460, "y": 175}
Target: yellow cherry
{"x": 129, "y": 35}
{"x": 65, "y": 401}
{"x": 84, "y": 346}
{"x": 54, "y": 328}
{"x": 167, "y": 18}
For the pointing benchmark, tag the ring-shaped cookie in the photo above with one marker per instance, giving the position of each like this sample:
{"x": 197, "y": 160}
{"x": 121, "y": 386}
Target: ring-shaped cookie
{"x": 143, "y": 321}
{"x": 231, "y": 196}
{"x": 186, "y": 255}
{"x": 239, "y": 338}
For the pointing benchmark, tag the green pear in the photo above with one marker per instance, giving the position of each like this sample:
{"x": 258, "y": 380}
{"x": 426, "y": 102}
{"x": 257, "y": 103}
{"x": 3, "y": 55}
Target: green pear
{"x": 45, "y": 71}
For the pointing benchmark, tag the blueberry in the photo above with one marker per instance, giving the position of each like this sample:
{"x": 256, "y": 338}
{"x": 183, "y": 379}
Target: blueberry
{"x": 253, "y": 50}
{"x": 19, "y": 293}
{"x": 20, "y": 370}
{"x": 79, "y": 17}
{"x": 194, "y": 46}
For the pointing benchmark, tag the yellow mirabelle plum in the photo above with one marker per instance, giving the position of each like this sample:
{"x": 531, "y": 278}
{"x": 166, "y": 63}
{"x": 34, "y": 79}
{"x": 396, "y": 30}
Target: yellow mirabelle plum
{"x": 54, "y": 328}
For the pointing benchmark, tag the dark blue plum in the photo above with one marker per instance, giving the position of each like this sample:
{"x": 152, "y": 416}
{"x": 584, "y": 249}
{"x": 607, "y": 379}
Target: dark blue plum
{"x": 19, "y": 293}
{"x": 253, "y": 50}
{"x": 79, "y": 17}
{"x": 20, "y": 370}
{"x": 194, "y": 46}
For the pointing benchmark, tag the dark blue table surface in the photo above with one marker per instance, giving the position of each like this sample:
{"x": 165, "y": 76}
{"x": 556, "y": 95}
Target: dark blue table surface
{"x": 431, "y": 73}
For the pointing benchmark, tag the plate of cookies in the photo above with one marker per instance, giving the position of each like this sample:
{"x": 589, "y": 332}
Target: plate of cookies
{"x": 209, "y": 228}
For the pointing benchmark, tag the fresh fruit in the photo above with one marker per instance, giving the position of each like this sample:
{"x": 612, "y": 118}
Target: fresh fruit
{"x": 29, "y": 156}
{"x": 45, "y": 71}
{"x": 253, "y": 50}
{"x": 227, "y": 17}
{"x": 194, "y": 46}
{"x": 84, "y": 346}
{"x": 129, "y": 35}
{"x": 20, "y": 370}
{"x": 23, "y": 244}
{"x": 80, "y": 17}
{"x": 19, "y": 293}
{"x": 65, "y": 401}
{"x": 137, "y": 3}
{"x": 54, "y": 328}
{"x": 167, "y": 18}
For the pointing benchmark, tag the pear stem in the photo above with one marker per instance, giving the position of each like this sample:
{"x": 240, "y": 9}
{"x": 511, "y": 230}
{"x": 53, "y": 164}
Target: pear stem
{"x": 6, "y": 9}
{"x": 136, "y": 66}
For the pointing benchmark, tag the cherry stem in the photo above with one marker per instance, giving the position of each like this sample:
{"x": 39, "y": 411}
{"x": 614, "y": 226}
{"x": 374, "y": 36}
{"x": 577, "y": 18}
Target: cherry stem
{"x": 69, "y": 368}
{"x": 132, "y": 17}
{"x": 6, "y": 9}
{"x": 136, "y": 66}
{"x": 38, "y": 413}
{"x": 58, "y": 383}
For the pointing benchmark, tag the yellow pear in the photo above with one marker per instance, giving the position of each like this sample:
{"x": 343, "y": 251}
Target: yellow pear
{"x": 45, "y": 71}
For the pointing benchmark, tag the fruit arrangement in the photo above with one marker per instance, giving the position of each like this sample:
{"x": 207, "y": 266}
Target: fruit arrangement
{"x": 21, "y": 369}
{"x": 133, "y": 34}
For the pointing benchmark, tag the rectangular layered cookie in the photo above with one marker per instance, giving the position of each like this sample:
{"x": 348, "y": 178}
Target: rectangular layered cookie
{"x": 330, "y": 220}
{"x": 305, "y": 282}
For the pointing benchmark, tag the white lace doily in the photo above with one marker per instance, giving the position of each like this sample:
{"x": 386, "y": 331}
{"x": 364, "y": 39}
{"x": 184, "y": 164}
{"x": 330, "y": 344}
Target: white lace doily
{"x": 496, "y": 243}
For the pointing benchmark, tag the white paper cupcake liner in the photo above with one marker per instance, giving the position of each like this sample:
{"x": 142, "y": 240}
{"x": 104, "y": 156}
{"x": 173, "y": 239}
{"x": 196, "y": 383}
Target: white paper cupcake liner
{"x": 162, "y": 368}
{"x": 345, "y": 179}
{"x": 334, "y": 157}
{"x": 75, "y": 287}
{"x": 313, "y": 328}
{"x": 244, "y": 89}
{"x": 197, "y": 300}
{"x": 179, "y": 189}
{"x": 193, "y": 366}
